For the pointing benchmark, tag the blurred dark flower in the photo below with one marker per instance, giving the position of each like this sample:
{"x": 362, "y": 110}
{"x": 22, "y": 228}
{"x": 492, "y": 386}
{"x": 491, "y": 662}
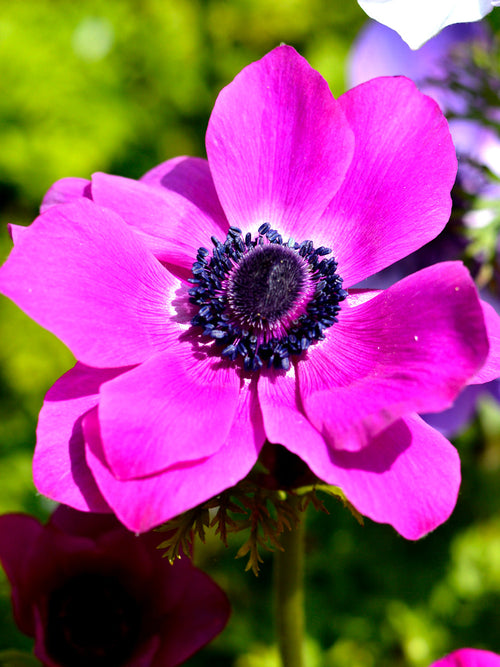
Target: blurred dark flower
{"x": 94, "y": 595}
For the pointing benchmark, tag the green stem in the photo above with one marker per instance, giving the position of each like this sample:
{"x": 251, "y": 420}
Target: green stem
{"x": 289, "y": 596}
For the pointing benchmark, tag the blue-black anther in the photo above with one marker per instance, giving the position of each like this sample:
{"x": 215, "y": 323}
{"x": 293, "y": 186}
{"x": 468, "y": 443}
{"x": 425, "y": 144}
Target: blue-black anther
{"x": 322, "y": 251}
{"x": 204, "y": 311}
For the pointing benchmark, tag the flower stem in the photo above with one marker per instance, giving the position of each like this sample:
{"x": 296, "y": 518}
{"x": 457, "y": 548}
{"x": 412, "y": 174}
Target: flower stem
{"x": 289, "y": 596}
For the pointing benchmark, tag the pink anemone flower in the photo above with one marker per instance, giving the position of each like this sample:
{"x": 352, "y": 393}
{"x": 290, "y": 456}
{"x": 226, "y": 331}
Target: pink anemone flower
{"x": 92, "y": 593}
{"x": 212, "y": 307}
{"x": 469, "y": 657}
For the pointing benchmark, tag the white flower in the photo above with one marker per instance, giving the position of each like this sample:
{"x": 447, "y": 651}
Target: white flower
{"x": 419, "y": 20}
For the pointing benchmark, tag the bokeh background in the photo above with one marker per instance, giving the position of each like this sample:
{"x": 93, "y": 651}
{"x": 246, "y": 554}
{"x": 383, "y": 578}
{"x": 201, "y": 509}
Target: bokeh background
{"x": 118, "y": 86}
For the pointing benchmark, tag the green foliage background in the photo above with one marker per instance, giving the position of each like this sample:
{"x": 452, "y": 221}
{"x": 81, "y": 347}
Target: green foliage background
{"x": 119, "y": 86}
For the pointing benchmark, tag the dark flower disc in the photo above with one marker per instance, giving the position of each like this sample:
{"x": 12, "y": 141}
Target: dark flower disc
{"x": 93, "y": 621}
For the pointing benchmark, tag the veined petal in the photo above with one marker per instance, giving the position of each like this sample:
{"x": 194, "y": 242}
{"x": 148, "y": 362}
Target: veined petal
{"x": 80, "y": 272}
{"x": 409, "y": 477}
{"x": 177, "y": 226}
{"x": 411, "y": 348}
{"x": 60, "y": 470}
{"x": 142, "y": 504}
{"x": 417, "y": 22}
{"x": 396, "y": 194}
{"x": 191, "y": 178}
{"x": 285, "y": 422}
{"x": 278, "y": 145}
{"x": 172, "y": 409}
{"x": 64, "y": 191}
{"x": 395, "y": 479}
{"x": 16, "y": 231}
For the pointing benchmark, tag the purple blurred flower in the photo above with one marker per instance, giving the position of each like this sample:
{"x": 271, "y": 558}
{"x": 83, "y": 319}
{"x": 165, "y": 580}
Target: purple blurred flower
{"x": 443, "y": 69}
{"x": 179, "y": 384}
{"x": 92, "y": 593}
{"x": 419, "y": 20}
{"x": 452, "y": 421}
{"x": 469, "y": 657}
{"x": 379, "y": 51}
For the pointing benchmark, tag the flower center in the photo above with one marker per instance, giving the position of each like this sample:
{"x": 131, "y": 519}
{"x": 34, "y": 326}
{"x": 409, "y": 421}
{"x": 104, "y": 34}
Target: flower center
{"x": 266, "y": 285}
{"x": 262, "y": 299}
{"x": 92, "y": 620}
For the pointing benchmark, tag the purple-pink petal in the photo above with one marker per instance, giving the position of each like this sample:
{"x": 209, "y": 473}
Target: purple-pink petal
{"x": 409, "y": 477}
{"x": 285, "y": 423}
{"x": 60, "y": 470}
{"x": 409, "y": 349}
{"x": 142, "y": 504}
{"x": 172, "y": 409}
{"x": 80, "y": 272}
{"x": 64, "y": 191}
{"x": 469, "y": 657}
{"x": 16, "y": 231}
{"x": 191, "y": 178}
{"x": 278, "y": 145}
{"x": 171, "y": 226}
{"x": 396, "y": 194}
